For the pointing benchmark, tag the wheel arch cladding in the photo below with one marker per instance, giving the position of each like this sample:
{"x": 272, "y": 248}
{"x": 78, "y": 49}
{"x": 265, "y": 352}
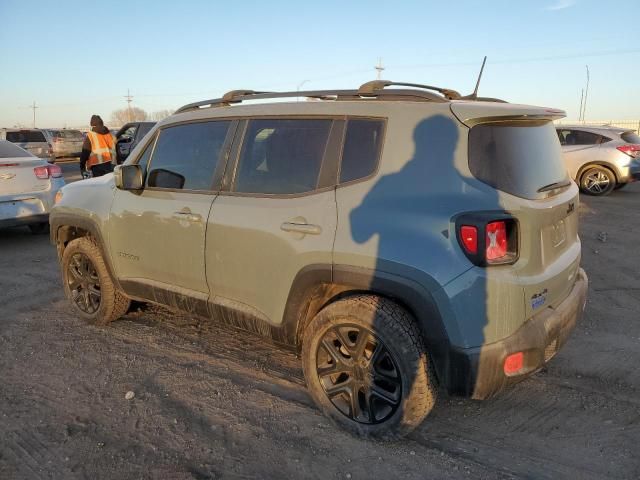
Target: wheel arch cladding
{"x": 65, "y": 228}
{"x": 318, "y": 286}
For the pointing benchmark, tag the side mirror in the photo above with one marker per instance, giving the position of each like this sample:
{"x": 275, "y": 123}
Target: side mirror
{"x": 128, "y": 177}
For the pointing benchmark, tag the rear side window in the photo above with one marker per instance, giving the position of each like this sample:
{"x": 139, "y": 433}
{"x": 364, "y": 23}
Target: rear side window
{"x": 282, "y": 156}
{"x": 9, "y": 150}
{"x": 361, "y": 149}
{"x": 24, "y": 136}
{"x": 579, "y": 137}
{"x": 186, "y": 156}
{"x": 517, "y": 158}
{"x": 631, "y": 137}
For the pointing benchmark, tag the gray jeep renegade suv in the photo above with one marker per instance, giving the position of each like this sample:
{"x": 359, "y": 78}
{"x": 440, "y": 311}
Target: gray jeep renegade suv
{"x": 402, "y": 239}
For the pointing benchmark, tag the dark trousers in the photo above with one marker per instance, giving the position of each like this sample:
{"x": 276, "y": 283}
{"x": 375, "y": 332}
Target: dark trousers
{"x": 101, "y": 169}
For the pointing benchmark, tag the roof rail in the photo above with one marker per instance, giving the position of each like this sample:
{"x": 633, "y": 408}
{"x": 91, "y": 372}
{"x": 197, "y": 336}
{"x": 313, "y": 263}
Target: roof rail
{"x": 367, "y": 91}
{"x": 375, "y": 86}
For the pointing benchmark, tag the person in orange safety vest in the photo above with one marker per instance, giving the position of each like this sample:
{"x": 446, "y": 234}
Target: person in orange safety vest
{"x": 98, "y": 150}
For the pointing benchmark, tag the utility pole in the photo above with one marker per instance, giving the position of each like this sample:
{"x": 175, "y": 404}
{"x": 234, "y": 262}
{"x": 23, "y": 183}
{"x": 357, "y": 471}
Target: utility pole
{"x": 379, "y": 67}
{"x": 581, "y": 100}
{"x": 586, "y": 92}
{"x": 33, "y": 107}
{"x": 129, "y": 98}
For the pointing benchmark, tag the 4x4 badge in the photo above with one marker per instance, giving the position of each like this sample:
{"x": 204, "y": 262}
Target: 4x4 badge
{"x": 571, "y": 207}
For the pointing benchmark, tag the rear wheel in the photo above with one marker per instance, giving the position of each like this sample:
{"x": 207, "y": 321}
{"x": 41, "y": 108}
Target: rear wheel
{"x": 597, "y": 181}
{"x": 88, "y": 285}
{"x": 367, "y": 369}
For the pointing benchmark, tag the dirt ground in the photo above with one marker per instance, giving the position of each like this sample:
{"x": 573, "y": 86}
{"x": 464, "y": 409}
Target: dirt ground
{"x": 212, "y": 403}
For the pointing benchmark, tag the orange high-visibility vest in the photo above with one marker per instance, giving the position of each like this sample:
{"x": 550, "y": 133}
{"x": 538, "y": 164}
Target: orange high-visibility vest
{"x": 103, "y": 149}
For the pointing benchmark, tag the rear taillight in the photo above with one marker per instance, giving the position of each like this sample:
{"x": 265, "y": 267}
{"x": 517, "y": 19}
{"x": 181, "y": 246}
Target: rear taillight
{"x": 496, "y": 241}
{"x": 488, "y": 238}
{"x": 469, "y": 238}
{"x": 48, "y": 171}
{"x": 633, "y": 150}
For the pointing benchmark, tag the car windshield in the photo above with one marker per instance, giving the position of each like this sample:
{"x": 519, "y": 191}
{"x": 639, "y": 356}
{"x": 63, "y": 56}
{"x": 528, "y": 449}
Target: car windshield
{"x": 68, "y": 134}
{"x": 9, "y": 150}
{"x": 24, "y": 136}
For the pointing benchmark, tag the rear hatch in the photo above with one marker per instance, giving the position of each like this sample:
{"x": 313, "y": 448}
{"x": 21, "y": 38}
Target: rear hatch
{"x": 17, "y": 174}
{"x": 67, "y": 141}
{"x": 33, "y": 141}
{"x": 515, "y": 149}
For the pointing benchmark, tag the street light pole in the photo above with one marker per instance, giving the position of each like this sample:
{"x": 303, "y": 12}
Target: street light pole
{"x": 586, "y": 92}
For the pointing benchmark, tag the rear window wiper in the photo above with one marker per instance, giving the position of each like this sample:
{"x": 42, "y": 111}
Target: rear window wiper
{"x": 554, "y": 185}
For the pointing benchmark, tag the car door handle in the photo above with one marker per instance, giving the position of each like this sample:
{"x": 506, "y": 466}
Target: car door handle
{"x": 186, "y": 214}
{"x": 305, "y": 228}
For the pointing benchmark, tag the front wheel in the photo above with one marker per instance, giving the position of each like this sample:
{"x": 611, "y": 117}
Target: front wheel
{"x": 366, "y": 367}
{"x": 88, "y": 285}
{"x": 597, "y": 181}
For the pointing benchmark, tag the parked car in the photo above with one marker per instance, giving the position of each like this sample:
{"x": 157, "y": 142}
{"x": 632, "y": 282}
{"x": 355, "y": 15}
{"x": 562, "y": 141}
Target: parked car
{"x": 129, "y": 136}
{"x": 401, "y": 239}
{"x": 28, "y": 186}
{"x": 600, "y": 159}
{"x": 65, "y": 143}
{"x": 31, "y": 139}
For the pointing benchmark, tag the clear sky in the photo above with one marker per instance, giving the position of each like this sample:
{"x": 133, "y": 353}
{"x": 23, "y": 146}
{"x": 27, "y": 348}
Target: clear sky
{"x": 76, "y": 58}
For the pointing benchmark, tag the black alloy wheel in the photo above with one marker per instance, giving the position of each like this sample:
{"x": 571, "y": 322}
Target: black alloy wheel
{"x": 84, "y": 283}
{"x": 358, "y": 374}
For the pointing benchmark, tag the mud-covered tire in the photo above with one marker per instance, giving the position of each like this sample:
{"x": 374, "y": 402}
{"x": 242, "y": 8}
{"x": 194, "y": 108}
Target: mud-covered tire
{"x": 112, "y": 303}
{"x": 388, "y": 325}
{"x": 597, "y": 181}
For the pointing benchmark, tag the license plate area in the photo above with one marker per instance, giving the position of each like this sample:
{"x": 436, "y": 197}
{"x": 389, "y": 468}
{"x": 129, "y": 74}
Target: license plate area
{"x": 20, "y": 208}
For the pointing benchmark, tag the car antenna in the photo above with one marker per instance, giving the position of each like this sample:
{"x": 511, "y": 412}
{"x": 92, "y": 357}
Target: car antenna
{"x": 474, "y": 95}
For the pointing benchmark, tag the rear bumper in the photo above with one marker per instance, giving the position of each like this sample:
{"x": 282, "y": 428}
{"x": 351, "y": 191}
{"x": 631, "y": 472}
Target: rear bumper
{"x": 31, "y": 219}
{"x": 478, "y": 372}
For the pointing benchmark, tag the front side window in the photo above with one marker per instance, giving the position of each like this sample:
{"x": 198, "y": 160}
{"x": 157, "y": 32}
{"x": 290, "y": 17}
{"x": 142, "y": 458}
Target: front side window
{"x": 186, "y": 156}
{"x": 361, "y": 149}
{"x": 282, "y": 156}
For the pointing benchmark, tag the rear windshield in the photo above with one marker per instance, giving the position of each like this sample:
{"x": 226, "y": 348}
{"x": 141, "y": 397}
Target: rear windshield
{"x": 517, "y": 158}
{"x": 68, "y": 134}
{"x": 26, "y": 136}
{"x": 9, "y": 150}
{"x": 631, "y": 137}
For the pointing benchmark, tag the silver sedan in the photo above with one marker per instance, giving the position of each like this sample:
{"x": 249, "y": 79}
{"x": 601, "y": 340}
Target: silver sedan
{"x": 28, "y": 187}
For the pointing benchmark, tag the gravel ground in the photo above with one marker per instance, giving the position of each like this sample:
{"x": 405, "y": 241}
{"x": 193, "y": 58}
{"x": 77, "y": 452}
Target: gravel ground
{"x": 214, "y": 403}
